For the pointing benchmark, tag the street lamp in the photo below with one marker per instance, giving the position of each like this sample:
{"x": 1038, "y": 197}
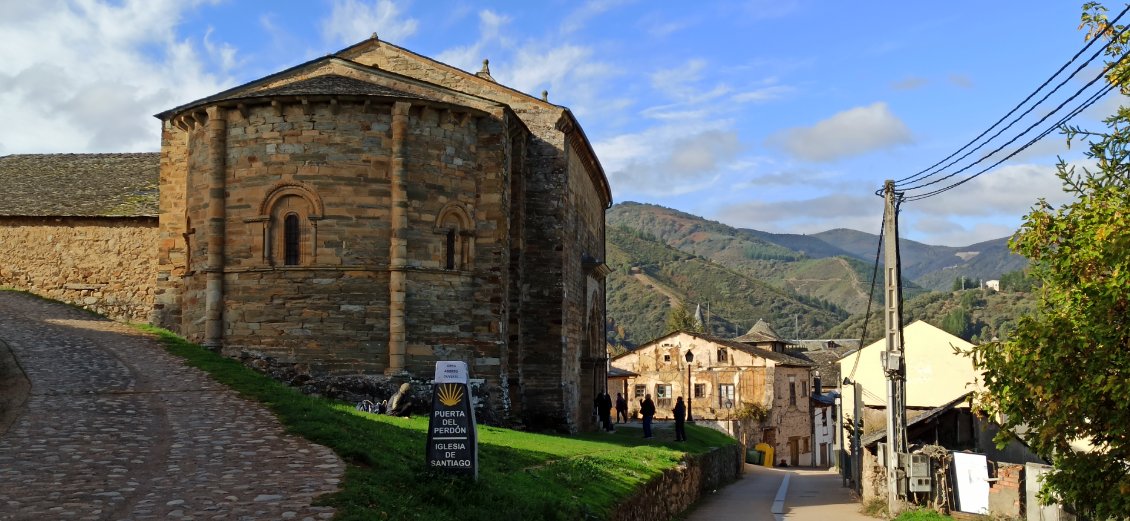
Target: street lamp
{"x": 690, "y": 390}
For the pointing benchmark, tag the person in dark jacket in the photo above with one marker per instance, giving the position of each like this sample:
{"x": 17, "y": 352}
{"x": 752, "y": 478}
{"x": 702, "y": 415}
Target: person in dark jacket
{"x": 605, "y": 408}
{"x": 621, "y": 408}
{"x": 680, "y": 419}
{"x": 647, "y": 410}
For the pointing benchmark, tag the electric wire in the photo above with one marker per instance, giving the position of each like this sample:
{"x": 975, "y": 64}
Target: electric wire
{"x": 870, "y": 297}
{"x": 1058, "y": 124}
{"x": 1080, "y": 91}
{"x": 919, "y": 175}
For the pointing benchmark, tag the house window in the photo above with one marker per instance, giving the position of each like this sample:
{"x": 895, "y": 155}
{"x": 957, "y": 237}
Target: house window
{"x": 721, "y": 355}
{"x": 662, "y": 391}
{"x": 640, "y": 390}
{"x": 792, "y": 390}
{"x": 699, "y": 390}
{"x": 291, "y": 239}
{"x": 666, "y": 358}
{"x": 726, "y": 396}
{"x": 806, "y": 447}
{"x": 804, "y": 391}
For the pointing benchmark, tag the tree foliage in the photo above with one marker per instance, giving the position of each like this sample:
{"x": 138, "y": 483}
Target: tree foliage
{"x": 1064, "y": 376}
{"x": 679, "y": 319}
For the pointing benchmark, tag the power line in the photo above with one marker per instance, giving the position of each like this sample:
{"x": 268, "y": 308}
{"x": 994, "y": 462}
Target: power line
{"x": 919, "y": 175}
{"x": 1058, "y": 124}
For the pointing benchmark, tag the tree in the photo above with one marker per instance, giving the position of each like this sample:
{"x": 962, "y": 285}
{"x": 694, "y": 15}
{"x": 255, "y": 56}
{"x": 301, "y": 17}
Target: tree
{"x": 1064, "y": 375}
{"x": 679, "y": 319}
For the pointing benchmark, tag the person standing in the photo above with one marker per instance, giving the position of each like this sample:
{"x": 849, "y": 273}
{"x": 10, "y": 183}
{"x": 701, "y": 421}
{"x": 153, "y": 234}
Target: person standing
{"x": 647, "y": 410}
{"x": 606, "y": 411}
{"x": 680, "y": 419}
{"x": 621, "y": 408}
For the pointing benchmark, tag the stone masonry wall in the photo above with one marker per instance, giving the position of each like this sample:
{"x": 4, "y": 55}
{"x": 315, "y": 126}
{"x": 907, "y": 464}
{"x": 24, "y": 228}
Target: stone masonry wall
{"x": 679, "y": 488}
{"x": 106, "y": 265}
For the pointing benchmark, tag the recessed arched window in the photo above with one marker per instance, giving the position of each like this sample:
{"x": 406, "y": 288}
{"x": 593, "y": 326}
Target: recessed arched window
{"x": 291, "y": 240}
{"x": 290, "y": 214}
{"x": 454, "y": 226}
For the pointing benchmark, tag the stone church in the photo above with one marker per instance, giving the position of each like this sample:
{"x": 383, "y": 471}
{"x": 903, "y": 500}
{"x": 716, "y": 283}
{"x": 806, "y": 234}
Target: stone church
{"x": 374, "y": 211}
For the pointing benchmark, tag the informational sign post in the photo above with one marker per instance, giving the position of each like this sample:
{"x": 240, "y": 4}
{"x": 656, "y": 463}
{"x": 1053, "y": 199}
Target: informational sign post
{"x": 453, "y": 443}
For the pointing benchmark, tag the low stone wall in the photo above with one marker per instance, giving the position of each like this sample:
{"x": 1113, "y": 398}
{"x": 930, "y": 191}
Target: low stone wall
{"x": 677, "y": 489}
{"x": 105, "y": 264}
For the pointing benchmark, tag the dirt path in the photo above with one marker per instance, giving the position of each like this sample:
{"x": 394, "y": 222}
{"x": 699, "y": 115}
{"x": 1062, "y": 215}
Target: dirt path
{"x": 116, "y": 428}
{"x": 646, "y": 280}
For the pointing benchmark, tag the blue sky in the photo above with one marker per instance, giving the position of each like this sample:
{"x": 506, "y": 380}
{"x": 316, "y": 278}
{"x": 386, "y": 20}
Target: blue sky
{"x": 783, "y": 116}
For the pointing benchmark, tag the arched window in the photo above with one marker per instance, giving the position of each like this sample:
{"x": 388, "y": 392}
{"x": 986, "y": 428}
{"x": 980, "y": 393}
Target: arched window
{"x": 290, "y": 213}
{"x": 291, "y": 238}
{"x": 455, "y": 226}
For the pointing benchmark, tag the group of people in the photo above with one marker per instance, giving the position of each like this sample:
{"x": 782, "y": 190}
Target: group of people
{"x": 604, "y": 406}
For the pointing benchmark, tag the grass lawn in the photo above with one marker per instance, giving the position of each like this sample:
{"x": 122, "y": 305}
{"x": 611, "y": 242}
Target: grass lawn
{"x": 922, "y": 515}
{"x": 522, "y": 476}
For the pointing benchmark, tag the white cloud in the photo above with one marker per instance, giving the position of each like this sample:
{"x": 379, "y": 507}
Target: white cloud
{"x": 668, "y": 160}
{"x": 351, "y": 21}
{"x": 848, "y": 133}
{"x": 88, "y": 76}
{"x": 576, "y": 20}
{"x": 910, "y": 83}
{"x": 1009, "y": 190}
{"x": 469, "y": 58}
{"x": 763, "y": 94}
{"x": 811, "y": 215}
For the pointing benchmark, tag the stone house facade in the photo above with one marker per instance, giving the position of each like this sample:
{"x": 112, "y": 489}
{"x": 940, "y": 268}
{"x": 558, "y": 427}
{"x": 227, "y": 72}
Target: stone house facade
{"x": 375, "y": 211}
{"x": 81, "y": 228}
{"x": 723, "y": 377}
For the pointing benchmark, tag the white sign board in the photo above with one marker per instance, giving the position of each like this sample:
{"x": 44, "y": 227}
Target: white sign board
{"x": 971, "y": 479}
{"x": 451, "y": 372}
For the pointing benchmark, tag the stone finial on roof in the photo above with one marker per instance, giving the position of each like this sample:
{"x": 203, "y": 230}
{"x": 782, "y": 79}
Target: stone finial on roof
{"x": 545, "y": 95}
{"x": 374, "y": 36}
{"x": 485, "y": 72}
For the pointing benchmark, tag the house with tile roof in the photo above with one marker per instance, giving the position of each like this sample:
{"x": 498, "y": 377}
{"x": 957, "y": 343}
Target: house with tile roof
{"x": 82, "y": 229}
{"x": 723, "y": 378}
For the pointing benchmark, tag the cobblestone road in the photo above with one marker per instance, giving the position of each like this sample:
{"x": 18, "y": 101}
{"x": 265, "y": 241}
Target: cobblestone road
{"x": 115, "y": 428}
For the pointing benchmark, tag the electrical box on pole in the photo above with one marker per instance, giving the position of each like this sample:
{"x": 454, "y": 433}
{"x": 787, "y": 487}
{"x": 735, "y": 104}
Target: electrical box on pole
{"x": 894, "y": 359}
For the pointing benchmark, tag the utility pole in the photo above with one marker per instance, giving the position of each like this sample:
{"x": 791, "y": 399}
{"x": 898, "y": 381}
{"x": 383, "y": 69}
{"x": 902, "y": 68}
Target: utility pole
{"x": 894, "y": 361}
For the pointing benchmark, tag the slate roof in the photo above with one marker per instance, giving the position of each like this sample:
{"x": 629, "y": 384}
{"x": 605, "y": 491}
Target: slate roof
{"x": 931, "y": 414}
{"x": 826, "y": 360}
{"x": 760, "y": 332}
{"x": 780, "y": 358}
{"x": 73, "y": 185}
{"x": 325, "y": 85}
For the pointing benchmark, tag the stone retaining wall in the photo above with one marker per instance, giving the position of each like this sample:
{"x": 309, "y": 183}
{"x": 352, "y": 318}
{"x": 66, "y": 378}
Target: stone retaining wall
{"x": 679, "y": 488}
{"x": 104, "y": 264}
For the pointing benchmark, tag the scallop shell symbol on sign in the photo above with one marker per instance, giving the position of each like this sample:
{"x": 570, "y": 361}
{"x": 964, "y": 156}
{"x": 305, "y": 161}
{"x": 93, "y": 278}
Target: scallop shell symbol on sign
{"x": 450, "y": 394}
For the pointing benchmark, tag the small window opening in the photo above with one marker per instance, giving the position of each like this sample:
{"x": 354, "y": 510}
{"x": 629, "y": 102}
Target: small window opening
{"x": 450, "y": 249}
{"x": 290, "y": 240}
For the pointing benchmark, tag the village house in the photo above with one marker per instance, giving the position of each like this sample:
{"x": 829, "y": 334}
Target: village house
{"x": 939, "y": 381}
{"x": 366, "y": 213}
{"x": 824, "y": 355}
{"x": 723, "y": 378}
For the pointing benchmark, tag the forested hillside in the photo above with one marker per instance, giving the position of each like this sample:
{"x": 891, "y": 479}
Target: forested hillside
{"x": 806, "y": 286}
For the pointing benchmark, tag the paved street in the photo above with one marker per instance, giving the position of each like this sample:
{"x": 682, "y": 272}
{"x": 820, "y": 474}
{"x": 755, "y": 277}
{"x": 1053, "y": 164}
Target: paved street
{"x": 811, "y": 495}
{"x": 115, "y": 428}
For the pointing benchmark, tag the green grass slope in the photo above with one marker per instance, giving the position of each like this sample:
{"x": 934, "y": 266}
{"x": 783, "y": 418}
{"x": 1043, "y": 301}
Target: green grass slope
{"x": 521, "y": 475}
